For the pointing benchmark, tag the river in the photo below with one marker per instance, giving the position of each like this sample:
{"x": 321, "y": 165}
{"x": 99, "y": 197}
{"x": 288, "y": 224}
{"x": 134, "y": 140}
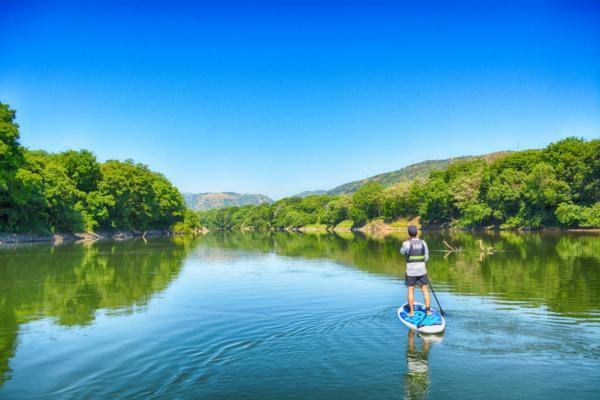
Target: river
{"x": 299, "y": 316}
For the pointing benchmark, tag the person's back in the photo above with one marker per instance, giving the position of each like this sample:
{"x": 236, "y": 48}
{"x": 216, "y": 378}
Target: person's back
{"x": 417, "y": 254}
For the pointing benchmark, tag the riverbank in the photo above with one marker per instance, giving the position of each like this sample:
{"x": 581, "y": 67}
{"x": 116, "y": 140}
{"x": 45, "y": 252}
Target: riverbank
{"x": 86, "y": 237}
{"x": 382, "y": 227}
{"x": 377, "y": 227}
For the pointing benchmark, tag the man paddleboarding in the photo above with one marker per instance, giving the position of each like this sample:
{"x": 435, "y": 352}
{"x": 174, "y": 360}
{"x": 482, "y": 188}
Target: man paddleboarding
{"x": 417, "y": 254}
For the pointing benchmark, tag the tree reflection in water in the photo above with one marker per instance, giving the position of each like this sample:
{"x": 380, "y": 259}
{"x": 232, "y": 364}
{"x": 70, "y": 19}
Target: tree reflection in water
{"x": 71, "y": 282}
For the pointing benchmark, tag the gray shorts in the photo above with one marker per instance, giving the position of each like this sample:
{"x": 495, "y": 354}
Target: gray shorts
{"x": 413, "y": 280}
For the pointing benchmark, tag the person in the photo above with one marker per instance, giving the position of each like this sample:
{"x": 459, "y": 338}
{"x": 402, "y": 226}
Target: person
{"x": 417, "y": 254}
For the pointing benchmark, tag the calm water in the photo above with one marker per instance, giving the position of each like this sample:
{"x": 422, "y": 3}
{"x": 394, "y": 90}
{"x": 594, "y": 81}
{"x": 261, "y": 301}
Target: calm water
{"x": 278, "y": 316}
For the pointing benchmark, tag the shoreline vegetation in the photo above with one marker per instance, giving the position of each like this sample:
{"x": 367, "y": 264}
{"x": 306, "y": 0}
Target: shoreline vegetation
{"x": 380, "y": 230}
{"x": 70, "y": 196}
{"x": 89, "y": 237}
{"x": 54, "y": 195}
{"x": 557, "y": 187}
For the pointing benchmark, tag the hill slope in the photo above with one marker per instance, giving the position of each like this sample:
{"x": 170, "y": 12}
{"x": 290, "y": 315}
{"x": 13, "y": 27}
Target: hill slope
{"x": 311, "y": 193}
{"x": 207, "y": 201}
{"x": 408, "y": 173}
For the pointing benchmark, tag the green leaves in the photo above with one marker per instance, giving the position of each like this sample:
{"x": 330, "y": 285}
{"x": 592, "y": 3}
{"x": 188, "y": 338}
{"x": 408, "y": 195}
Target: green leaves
{"x": 71, "y": 191}
{"x": 81, "y": 166}
{"x": 557, "y": 186}
{"x": 11, "y": 153}
{"x": 131, "y": 197}
{"x": 572, "y": 215}
{"x": 368, "y": 201}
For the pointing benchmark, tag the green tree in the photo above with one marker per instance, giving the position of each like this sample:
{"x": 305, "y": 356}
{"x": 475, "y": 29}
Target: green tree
{"x": 573, "y": 160}
{"x": 543, "y": 192}
{"x": 504, "y": 193}
{"x": 336, "y": 211}
{"x": 137, "y": 198}
{"x": 11, "y": 159}
{"x": 62, "y": 197}
{"x": 396, "y": 202}
{"x": 368, "y": 201}
{"x": 437, "y": 200}
{"x": 82, "y": 167}
{"x": 11, "y": 152}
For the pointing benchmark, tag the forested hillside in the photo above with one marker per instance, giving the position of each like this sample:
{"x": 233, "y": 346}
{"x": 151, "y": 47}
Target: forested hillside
{"x": 558, "y": 186}
{"x": 71, "y": 191}
{"x": 413, "y": 171}
{"x": 418, "y": 170}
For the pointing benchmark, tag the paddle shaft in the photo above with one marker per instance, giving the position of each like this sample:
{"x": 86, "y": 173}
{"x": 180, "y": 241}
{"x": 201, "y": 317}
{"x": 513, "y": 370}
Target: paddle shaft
{"x": 436, "y": 299}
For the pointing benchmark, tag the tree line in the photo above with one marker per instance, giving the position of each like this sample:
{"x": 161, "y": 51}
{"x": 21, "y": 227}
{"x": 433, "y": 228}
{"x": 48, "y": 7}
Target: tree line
{"x": 558, "y": 186}
{"x": 71, "y": 191}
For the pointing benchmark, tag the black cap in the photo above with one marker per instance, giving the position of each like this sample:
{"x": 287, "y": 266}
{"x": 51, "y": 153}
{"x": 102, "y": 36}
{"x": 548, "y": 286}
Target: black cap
{"x": 412, "y": 230}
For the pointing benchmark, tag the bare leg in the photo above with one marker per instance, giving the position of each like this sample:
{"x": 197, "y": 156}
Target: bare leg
{"x": 411, "y": 300}
{"x": 425, "y": 289}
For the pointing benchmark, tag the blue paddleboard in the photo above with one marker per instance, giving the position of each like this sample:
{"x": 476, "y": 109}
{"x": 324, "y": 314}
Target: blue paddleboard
{"x": 420, "y": 322}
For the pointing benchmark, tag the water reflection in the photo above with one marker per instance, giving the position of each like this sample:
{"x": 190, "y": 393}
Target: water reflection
{"x": 236, "y": 317}
{"x": 71, "y": 283}
{"x": 416, "y": 380}
{"x": 558, "y": 270}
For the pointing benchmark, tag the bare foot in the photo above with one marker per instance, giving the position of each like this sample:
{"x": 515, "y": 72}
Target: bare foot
{"x": 412, "y": 314}
{"x": 428, "y": 312}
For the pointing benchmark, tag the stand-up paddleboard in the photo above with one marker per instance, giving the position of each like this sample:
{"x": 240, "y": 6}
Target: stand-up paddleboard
{"x": 420, "y": 321}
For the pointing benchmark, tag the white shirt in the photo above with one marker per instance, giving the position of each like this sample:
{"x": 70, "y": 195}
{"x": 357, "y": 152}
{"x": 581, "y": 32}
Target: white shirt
{"x": 415, "y": 268}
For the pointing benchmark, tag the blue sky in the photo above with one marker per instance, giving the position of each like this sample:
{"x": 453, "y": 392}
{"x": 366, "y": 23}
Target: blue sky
{"x": 280, "y": 97}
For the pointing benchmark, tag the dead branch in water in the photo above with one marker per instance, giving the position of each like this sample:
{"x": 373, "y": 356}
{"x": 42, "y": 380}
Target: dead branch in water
{"x": 448, "y": 246}
{"x": 484, "y": 251}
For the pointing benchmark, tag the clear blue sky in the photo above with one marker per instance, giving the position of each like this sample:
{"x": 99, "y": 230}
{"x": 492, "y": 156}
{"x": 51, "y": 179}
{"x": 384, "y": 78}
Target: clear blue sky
{"x": 281, "y": 97}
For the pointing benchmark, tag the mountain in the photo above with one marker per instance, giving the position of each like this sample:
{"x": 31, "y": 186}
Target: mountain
{"x": 207, "y": 201}
{"x": 311, "y": 193}
{"x": 408, "y": 173}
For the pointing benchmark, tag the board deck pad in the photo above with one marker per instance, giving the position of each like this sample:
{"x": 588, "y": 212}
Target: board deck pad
{"x": 421, "y": 322}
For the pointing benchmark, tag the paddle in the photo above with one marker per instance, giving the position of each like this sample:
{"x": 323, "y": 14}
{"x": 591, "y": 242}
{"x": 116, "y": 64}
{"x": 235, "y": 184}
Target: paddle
{"x": 420, "y": 323}
{"x": 436, "y": 299}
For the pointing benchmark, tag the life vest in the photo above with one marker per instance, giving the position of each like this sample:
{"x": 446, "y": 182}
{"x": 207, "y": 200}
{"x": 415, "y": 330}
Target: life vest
{"x": 416, "y": 251}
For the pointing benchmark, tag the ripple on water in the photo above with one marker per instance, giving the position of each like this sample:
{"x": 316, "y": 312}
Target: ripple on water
{"x": 242, "y": 325}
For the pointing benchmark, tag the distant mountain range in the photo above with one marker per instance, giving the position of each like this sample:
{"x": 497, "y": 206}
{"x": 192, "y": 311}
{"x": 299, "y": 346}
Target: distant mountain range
{"x": 207, "y": 201}
{"x": 419, "y": 170}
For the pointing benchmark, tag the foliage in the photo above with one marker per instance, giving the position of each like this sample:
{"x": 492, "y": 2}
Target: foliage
{"x": 137, "y": 198}
{"x": 554, "y": 187}
{"x": 558, "y": 186}
{"x": 190, "y": 223}
{"x": 71, "y": 191}
{"x": 406, "y": 174}
{"x": 572, "y": 215}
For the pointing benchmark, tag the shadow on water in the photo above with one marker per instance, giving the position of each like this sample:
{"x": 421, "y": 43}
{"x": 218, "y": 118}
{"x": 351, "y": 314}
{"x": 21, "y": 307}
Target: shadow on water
{"x": 556, "y": 270}
{"x": 71, "y": 282}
